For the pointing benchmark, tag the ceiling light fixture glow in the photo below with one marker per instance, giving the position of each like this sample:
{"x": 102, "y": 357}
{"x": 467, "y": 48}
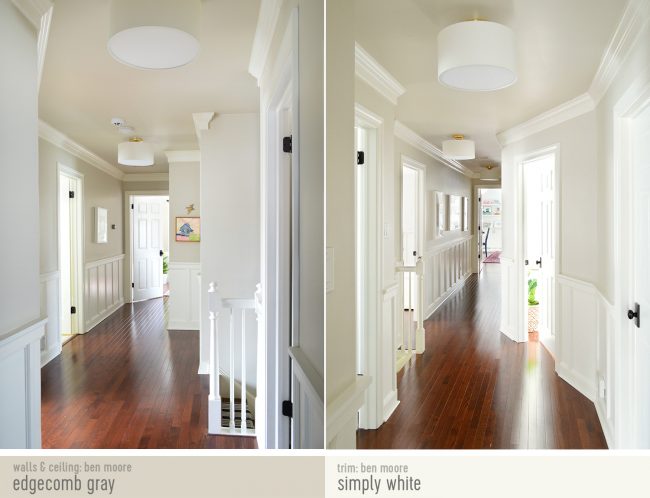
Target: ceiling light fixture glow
{"x": 154, "y": 34}
{"x": 135, "y": 152}
{"x": 459, "y": 148}
{"x": 477, "y": 56}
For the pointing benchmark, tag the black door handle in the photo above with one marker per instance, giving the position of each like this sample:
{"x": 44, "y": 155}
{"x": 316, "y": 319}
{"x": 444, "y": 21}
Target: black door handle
{"x": 415, "y": 253}
{"x": 539, "y": 262}
{"x": 635, "y": 314}
{"x": 161, "y": 252}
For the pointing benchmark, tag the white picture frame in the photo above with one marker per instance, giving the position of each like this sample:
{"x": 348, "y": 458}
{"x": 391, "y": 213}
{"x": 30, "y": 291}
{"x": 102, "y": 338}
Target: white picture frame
{"x": 465, "y": 214}
{"x": 455, "y": 213}
{"x": 441, "y": 214}
{"x": 101, "y": 225}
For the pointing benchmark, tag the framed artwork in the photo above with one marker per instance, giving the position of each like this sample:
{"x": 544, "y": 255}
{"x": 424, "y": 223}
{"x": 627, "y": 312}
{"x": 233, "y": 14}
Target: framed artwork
{"x": 455, "y": 212}
{"x": 441, "y": 213}
{"x": 465, "y": 214}
{"x": 188, "y": 229}
{"x": 101, "y": 225}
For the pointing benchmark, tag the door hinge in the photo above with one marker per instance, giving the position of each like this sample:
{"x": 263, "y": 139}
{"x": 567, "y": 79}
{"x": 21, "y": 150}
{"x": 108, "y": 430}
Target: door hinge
{"x": 287, "y": 144}
{"x": 132, "y": 285}
{"x": 131, "y": 206}
{"x": 287, "y": 408}
{"x": 73, "y": 310}
{"x": 71, "y": 194}
{"x": 361, "y": 157}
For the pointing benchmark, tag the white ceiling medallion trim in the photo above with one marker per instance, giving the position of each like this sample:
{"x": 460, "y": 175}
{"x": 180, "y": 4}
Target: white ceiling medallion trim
{"x": 633, "y": 21}
{"x": 183, "y": 156}
{"x": 33, "y": 10}
{"x": 404, "y": 133}
{"x": 146, "y": 177}
{"x": 202, "y": 122}
{"x": 369, "y": 70}
{"x": 266, "y": 22}
{"x": 553, "y": 117}
{"x": 55, "y": 137}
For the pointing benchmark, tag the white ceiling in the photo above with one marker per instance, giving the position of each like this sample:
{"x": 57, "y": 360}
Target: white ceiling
{"x": 559, "y": 47}
{"x": 83, "y": 87}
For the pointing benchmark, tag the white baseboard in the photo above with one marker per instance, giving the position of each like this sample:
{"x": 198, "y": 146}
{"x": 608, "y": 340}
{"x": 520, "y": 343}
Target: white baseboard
{"x": 607, "y": 430}
{"x": 204, "y": 368}
{"x": 433, "y": 307}
{"x": 390, "y": 404}
{"x": 188, "y": 326}
{"x": 577, "y": 381}
{"x": 97, "y": 319}
{"x": 48, "y": 355}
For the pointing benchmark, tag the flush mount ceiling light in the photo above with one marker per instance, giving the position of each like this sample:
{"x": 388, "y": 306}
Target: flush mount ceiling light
{"x": 154, "y": 34}
{"x": 477, "y": 56}
{"x": 135, "y": 152}
{"x": 459, "y": 148}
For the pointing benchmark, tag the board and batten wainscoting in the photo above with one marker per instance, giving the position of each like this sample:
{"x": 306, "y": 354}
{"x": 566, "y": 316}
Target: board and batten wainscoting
{"x": 184, "y": 296}
{"x": 447, "y": 266}
{"x": 308, "y": 389}
{"x": 20, "y": 361}
{"x": 51, "y": 340}
{"x": 509, "y": 308}
{"x": 103, "y": 289}
{"x": 391, "y": 323}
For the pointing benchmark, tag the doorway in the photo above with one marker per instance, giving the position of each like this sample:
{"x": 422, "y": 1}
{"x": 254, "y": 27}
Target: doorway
{"x": 489, "y": 226}
{"x": 539, "y": 248}
{"x": 71, "y": 236}
{"x": 149, "y": 230}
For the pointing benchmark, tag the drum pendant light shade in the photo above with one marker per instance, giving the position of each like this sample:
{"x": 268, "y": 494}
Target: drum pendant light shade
{"x": 154, "y": 34}
{"x": 477, "y": 56}
{"x": 459, "y": 148}
{"x": 135, "y": 152}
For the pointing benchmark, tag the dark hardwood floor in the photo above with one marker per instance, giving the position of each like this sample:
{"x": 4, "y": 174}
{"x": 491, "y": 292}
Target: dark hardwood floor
{"x": 474, "y": 388}
{"x": 129, "y": 383}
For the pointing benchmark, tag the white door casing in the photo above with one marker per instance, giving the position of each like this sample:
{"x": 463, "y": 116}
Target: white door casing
{"x": 146, "y": 230}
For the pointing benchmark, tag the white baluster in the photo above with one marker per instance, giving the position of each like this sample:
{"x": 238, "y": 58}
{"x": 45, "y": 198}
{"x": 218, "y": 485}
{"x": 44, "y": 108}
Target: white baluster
{"x": 214, "y": 398}
{"x": 232, "y": 369}
{"x": 243, "y": 370}
{"x": 419, "y": 333}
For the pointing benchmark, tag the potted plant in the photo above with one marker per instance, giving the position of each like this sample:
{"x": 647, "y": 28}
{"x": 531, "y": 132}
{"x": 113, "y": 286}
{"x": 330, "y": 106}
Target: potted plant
{"x": 533, "y": 308}
{"x": 165, "y": 264}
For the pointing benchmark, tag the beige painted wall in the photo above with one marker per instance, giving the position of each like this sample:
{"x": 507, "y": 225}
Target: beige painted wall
{"x": 19, "y": 285}
{"x": 184, "y": 189}
{"x": 100, "y": 189}
{"x": 146, "y": 186}
{"x": 340, "y": 302}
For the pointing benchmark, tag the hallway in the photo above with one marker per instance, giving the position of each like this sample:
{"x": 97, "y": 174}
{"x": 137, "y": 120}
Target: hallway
{"x": 129, "y": 383}
{"x": 474, "y": 388}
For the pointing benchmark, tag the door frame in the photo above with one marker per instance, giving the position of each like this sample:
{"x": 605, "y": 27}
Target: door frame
{"x": 128, "y": 236}
{"x": 521, "y": 306}
{"x": 274, "y": 384}
{"x": 421, "y": 170}
{"x": 630, "y": 105}
{"x": 374, "y": 359}
{"x": 476, "y": 262}
{"x": 81, "y": 257}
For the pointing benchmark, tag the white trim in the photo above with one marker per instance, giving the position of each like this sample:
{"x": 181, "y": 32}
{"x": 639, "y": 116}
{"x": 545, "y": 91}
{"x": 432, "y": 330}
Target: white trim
{"x": 369, "y": 70}
{"x": 308, "y": 375}
{"x": 635, "y": 17}
{"x": 183, "y": 156}
{"x": 553, "y": 117}
{"x": 607, "y": 430}
{"x": 342, "y": 410}
{"x": 146, "y": 177}
{"x": 202, "y": 122}
{"x": 43, "y": 37}
{"x": 630, "y": 26}
{"x": 102, "y": 314}
{"x": 55, "y": 137}
{"x": 104, "y": 261}
{"x": 33, "y": 10}
{"x": 266, "y": 23}
{"x": 576, "y": 380}
{"x": 407, "y": 135}
{"x": 182, "y": 315}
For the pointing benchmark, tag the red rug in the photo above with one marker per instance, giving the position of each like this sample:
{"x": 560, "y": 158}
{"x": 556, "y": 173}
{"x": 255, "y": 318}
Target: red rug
{"x": 494, "y": 257}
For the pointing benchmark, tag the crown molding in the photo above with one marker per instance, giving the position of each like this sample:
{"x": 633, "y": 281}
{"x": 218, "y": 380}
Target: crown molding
{"x": 553, "y": 117}
{"x": 404, "y": 133}
{"x": 266, "y": 23}
{"x": 183, "y": 156}
{"x": 55, "y": 137}
{"x": 146, "y": 177}
{"x": 202, "y": 122}
{"x": 369, "y": 70}
{"x": 635, "y": 16}
{"x": 33, "y": 10}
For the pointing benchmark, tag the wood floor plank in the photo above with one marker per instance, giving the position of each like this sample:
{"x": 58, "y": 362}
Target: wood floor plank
{"x": 129, "y": 383}
{"x": 473, "y": 388}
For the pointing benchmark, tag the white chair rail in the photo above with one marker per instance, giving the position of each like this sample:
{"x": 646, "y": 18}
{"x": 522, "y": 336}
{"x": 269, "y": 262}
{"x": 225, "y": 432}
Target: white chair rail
{"x": 412, "y": 296}
{"x": 231, "y": 315}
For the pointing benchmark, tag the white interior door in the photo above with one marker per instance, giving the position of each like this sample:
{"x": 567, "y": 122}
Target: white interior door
{"x": 146, "y": 229}
{"x": 639, "y": 330}
{"x": 69, "y": 226}
{"x": 410, "y": 231}
{"x": 546, "y": 262}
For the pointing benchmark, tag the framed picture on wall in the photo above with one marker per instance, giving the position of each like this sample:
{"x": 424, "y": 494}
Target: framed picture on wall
{"x": 441, "y": 214}
{"x": 188, "y": 229}
{"x": 465, "y": 214}
{"x": 101, "y": 225}
{"x": 455, "y": 212}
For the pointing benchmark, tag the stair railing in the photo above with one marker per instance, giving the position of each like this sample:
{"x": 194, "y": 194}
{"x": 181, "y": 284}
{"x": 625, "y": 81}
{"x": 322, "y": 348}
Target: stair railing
{"x": 412, "y": 300}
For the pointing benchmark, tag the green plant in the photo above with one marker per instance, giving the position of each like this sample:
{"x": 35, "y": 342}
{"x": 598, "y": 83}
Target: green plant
{"x": 532, "y": 288}
{"x": 165, "y": 263}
